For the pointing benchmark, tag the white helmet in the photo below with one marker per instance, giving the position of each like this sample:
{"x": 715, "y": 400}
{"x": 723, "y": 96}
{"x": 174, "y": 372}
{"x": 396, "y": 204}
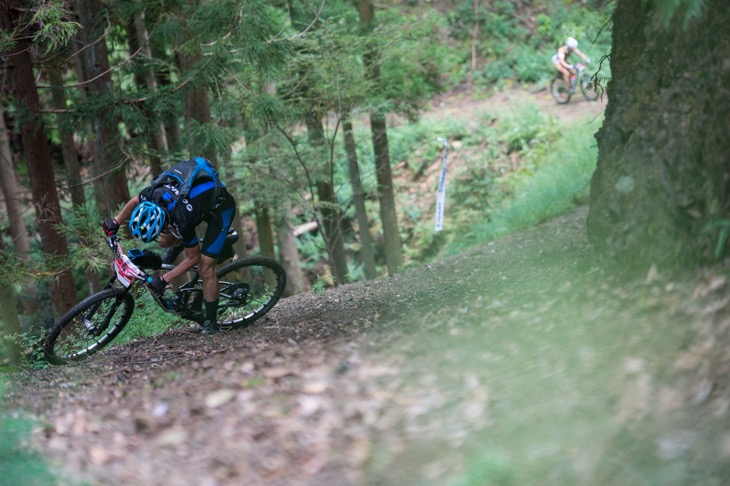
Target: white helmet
{"x": 571, "y": 43}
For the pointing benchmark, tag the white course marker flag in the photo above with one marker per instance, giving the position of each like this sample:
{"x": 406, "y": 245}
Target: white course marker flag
{"x": 441, "y": 194}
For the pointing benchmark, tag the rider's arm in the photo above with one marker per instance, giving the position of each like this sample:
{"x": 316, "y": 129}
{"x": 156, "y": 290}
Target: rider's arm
{"x": 192, "y": 258}
{"x": 126, "y": 211}
{"x": 585, "y": 58}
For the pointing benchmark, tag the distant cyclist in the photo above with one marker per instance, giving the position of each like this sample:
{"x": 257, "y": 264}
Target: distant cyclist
{"x": 169, "y": 210}
{"x": 560, "y": 60}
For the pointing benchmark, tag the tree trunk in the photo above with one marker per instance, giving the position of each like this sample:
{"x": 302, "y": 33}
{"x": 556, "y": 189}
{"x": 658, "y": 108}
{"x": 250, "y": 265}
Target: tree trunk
{"x": 70, "y": 160}
{"x": 11, "y": 192}
{"x": 38, "y": 154}
{"x": 263, "y": 229}
{"x": 328, "y": 205}
{"x": 9, "y": 322}
{"x": 98, "y": 184}
{"x": 68, "y": 150}
{"x": 159, "y": 139}
{"x": 386, "y": 197}
{"x": 662, "y": 174}
{"x": 226, "y": 168}
{"x": 196, "y": 108}
{"x": 295, "y": 281}
{"x": 18, "y": 230}
{"x": 367, "y": 250}
{"x": 109, "y": 163}
{"x": 379, "y": 129}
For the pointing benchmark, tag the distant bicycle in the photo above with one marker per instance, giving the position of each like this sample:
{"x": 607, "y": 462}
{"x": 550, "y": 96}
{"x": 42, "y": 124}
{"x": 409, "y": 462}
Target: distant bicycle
{"x": 586, "y": 82}
{"x": 249, "y": 288}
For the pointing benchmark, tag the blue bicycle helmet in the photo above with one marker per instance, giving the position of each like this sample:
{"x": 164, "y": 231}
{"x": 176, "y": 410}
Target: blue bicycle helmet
{"x": 147, "y": 221}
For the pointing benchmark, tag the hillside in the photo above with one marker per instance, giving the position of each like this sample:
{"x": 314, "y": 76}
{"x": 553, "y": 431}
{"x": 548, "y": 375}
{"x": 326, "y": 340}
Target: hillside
{"x": 519, "y": 362}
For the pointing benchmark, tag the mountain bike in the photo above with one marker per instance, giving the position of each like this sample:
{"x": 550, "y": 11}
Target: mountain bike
{"x": 588, "y": 85}
{"x": 249, "y": 288}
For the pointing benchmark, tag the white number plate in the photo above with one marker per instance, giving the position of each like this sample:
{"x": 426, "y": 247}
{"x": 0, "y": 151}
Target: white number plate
{"x": 126, "y": 270}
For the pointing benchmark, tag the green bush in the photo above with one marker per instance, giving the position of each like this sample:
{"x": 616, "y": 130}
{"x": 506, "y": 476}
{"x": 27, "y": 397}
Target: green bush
{"x": 18, "y": 464}
{"x": 552, "y": 183}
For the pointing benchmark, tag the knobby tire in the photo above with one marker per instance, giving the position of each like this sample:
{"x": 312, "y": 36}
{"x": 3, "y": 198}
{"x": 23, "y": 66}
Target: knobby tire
{"x": 249, "y": 288}
{"x": 590, "y": 90}
{"x": 71, "y": 340}
{"x": 559, "y": 91}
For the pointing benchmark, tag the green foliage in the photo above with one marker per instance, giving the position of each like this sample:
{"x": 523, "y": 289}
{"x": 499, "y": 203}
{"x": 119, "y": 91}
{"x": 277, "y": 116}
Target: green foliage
{"x": 414, "y": 59}
{"x": 18, "y": 465}
{"x": 487, "y": 468}
{"x": 50, "y": 24}
{"x": 87, "y": 250}
{"x": 551, "y": 182}
{"x": 511, "y": 48}
{"x": 724, "y": 232}
{"x": 148, "y": 320}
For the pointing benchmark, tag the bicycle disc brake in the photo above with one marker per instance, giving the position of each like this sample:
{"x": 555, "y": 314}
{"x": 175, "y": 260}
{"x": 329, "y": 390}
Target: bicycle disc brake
{"x": 238, "y": 294}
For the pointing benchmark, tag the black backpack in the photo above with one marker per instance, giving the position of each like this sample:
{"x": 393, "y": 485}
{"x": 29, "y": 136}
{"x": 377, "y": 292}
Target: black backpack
{"x": 183, "y": 175}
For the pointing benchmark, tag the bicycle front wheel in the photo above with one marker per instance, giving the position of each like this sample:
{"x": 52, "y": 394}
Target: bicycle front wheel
{"x": 589, "y": 87}
{"x": 249, "y": 288}
{"x": 88, "y": 327}
{"x": 560, "y": 91}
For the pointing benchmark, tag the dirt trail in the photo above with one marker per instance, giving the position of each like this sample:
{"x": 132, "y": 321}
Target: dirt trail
{"x": 518, "y": 362}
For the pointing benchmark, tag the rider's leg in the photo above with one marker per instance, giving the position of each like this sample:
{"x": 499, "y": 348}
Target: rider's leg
{"x": 206, "y": 269}
{"x": 564, "y": 72}
{"x": 215, "y": 238}
{"x": 211, "y": 291}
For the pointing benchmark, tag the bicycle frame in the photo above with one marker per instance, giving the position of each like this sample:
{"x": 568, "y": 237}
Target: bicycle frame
{"x": 127, "y": 273}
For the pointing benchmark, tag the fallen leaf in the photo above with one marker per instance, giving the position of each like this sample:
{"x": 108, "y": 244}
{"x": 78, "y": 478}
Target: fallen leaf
{"x": 219, "y": 398}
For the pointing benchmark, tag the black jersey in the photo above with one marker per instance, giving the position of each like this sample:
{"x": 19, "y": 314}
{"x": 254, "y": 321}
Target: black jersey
{"x": 203, "y": 203}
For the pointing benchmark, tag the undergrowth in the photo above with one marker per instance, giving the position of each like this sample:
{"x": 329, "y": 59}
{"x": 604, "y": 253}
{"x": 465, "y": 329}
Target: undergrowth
{"x": 18, "y": 464}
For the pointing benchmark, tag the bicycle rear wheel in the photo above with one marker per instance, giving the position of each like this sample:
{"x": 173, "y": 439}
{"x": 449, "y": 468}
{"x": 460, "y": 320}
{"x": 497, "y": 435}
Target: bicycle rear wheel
{"x": 249, "y": 288}
{"x": 590, "y": 87}
{"x": 88, "y": 327}
{"x": 559, "y": 90}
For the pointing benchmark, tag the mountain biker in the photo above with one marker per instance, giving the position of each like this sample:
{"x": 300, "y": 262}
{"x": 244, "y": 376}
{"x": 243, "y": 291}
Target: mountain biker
{"x": 162, "y": 213}
{"x": 560, "y": 60}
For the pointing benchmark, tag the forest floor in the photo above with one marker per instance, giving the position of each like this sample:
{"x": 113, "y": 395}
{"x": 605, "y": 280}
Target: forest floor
{"x": 519, "y": 362}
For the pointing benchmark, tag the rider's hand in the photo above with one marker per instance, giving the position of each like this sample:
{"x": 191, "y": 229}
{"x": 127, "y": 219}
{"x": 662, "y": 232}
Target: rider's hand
{"x": 157, "y": 285}
{"x": 110, "y": 227}
{"x": 588, "y": 61}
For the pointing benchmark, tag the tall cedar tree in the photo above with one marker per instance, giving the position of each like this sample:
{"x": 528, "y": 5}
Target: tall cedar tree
{"x": 38, "y": 155}
{"x": 111, "y": 179}
{"x": 661, "y": 191}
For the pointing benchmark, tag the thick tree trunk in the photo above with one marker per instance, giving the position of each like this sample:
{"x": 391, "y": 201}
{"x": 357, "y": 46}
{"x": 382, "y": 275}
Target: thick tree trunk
{"x": 109, "y": 163}
{"x": 662, "y": 172}
{"x": 38, "y": 154}
{"x": 367, "y": 250}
